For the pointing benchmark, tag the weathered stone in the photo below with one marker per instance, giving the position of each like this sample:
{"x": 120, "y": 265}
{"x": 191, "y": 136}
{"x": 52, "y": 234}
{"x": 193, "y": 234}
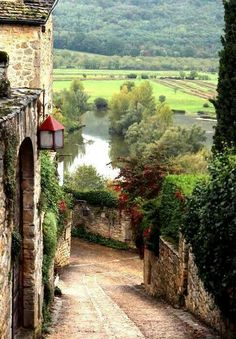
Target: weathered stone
{"x": 108, "y": 222}
{"x": 174, "y": 276}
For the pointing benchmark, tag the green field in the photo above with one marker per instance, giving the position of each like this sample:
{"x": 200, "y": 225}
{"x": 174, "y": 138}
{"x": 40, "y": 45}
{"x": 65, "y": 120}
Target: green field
{"x": 104, "y": 83}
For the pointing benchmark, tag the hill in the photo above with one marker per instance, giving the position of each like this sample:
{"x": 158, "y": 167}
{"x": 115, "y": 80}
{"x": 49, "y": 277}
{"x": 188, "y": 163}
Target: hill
{"x": 185, "y": 28}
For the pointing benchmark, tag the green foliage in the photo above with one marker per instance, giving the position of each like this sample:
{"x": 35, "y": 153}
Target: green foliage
{"x": 138, "y": 27}
{"x": 70, "y": 59}
{"x": 225, "y": 133}
{"x": 143, "y": 135}
{"x": 49, "y": 248}
{"x": 101, "y": 103}
{"x": 131, "y": 105}
{"x": 192, "y": 163}
{"x": 97, "y": 198}
{"x": 53, "y": 203}
{"x": 210, "y": 228}
{"x": 149, "y": 227}
{"x": 16, "y": 243}
{"x": 177, "y": 141}
{"x": 10, "y": 159}
{"x": 85, "y": 179}
{"x": 172, "y": 200}
{"x": 51, "y": 191}
{"x": 132, "y": 76}
{"x": 72, "y": 104}
{"x": 81, "y": 232}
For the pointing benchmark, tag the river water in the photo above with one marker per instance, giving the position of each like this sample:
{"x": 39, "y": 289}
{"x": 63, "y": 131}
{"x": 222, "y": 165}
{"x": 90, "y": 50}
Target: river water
{"x": 93, "y": 147}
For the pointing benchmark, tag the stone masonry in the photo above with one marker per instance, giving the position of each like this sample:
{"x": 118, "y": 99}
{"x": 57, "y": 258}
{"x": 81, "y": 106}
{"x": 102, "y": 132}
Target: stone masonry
{"x": 27, "y": 36}
{"x": 18, "y": 115}
{"x": 173, "y": 275}
{"x": 107, "y": 222}
{"x": 62, "y": 256}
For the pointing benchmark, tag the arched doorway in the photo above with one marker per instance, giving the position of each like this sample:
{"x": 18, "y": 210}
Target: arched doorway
{"x": 23, "y": 263}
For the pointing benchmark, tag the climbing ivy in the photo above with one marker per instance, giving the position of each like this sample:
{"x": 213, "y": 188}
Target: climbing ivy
{"x": 16, "y": 244}
{"x": 210, "y": 228}
{"x": 9, "y": 137}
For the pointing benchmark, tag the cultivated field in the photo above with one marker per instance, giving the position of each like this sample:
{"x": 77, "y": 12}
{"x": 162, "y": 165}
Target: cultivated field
{"x": 188, "y": 95}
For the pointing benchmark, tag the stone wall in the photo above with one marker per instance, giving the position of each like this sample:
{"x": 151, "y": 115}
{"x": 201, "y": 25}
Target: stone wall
{"x": 30, "y": 52}
{"x": 19, "y": 171}
{"x": 62, "y": 256}
{"x": 161, "y": 274}
{"x": 108, "y": 222}
{"x": 198, "y": 301}
{"x": 174, "y": 276}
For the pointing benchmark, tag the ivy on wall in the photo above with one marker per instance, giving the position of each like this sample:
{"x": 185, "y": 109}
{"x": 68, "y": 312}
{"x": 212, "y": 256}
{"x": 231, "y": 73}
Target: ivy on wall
{"x": 210, "y": 228}
{"x": 9, "y": 137}
{"x": 54, "y": 203}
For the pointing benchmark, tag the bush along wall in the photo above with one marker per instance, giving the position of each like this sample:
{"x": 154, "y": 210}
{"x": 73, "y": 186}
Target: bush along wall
{"x": 54, "y": 202}
{"x": 210, "y": 228}
{"x": 97, "y": 198}
{"x": 175, "y": 190}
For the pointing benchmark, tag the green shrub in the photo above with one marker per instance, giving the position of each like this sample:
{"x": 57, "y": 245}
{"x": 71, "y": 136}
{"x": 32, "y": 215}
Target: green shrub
{"x": 101, "y": 103}
{"x": 16, "y": 244}
{"x": 97, "y": 198}
{"x": 51, "y": 191}
{"x": 150, "y": 227}
{"x": 81, "y": 232}
{"x": 49, "y": 248}
{"x": 132, "y": 76}
{"x": 172, "y": 200}
{"x": 210, "y": 228}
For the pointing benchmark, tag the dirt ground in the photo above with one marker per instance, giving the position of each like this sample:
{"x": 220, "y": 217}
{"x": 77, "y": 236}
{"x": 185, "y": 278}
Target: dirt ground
{"x": 103, "y": 297}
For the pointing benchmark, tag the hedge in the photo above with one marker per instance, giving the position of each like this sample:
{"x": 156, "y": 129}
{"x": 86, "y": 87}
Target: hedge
{"x": 210, "y": 228}
{"x": 97, "y": 198}
{"x": 174, "y": 191}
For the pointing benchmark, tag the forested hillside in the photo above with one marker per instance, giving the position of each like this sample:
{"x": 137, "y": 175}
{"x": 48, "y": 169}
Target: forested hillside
{"x": 189, "y": 28}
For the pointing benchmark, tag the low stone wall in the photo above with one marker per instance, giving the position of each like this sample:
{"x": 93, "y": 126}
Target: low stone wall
{"x": 62, "y": 256}
{"x": 174, "y": 277}
{"x": 198, "y": 301}
{"x": 161, "y": 274}
{"x": 107, "y": 222}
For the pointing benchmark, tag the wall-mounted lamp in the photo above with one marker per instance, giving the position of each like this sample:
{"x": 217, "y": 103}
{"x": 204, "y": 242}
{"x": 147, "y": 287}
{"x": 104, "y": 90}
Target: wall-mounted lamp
{"x": 51, "y": 134}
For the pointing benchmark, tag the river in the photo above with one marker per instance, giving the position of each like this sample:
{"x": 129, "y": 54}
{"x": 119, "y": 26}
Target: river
{"x": 93, "y": 147}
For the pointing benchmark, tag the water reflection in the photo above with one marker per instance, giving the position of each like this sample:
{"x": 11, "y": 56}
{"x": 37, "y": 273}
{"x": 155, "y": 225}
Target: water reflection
{"x": 90, "y": 148}
{"x": 96, "y": 154}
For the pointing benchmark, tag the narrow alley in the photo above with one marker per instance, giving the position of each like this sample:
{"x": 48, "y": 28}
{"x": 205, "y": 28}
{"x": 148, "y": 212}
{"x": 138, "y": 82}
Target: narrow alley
{"x": 103, "y": 298}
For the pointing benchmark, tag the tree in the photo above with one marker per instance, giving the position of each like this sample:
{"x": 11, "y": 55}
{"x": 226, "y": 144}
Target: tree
{"x": 73, "y": 103}
{"x": 101, "y": 103}
{"x": 85, "y": 179}
{"x": 225, "y": 104}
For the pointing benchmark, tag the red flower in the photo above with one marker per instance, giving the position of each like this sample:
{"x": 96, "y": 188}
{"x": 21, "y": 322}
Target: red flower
{"x": 179, "y": 196}
{"x": 62, "y": 206}
{"x": 146, "y": 232}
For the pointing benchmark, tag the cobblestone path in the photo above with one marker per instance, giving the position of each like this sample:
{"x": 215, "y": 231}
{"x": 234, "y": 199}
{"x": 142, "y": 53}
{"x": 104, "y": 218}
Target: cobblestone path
{"x": 103, "y": 298}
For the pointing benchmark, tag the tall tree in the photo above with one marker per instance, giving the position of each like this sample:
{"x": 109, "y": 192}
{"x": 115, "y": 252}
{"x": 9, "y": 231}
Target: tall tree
{"x": 225, "y": 104}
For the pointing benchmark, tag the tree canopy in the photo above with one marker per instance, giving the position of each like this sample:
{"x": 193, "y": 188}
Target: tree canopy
{"x": 140, "y": 27}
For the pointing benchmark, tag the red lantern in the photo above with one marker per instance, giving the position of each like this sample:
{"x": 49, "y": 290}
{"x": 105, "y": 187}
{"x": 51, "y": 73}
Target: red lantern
{"x": 51, "y": 134}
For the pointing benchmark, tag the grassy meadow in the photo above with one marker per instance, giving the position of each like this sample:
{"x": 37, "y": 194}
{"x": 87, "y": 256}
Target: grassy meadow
{"x": 180, "y": 94}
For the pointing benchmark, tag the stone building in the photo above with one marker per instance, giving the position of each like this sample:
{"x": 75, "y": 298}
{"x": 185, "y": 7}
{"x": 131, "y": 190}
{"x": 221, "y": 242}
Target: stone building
{"x": 20, "y": 226}
{"x": 26, "y": 35}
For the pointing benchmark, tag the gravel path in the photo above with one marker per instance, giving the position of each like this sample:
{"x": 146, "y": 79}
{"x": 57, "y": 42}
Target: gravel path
{"x": 103, "y": 297}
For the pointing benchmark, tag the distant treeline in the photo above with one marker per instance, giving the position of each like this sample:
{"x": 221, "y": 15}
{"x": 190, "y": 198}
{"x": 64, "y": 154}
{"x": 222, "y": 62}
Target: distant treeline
{"x": 70, "y": 59}
{"x": 140, "y": 27}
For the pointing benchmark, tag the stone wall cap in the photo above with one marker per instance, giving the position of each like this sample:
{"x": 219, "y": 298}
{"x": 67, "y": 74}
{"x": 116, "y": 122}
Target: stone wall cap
{"x": 171, "y": 246}
{"x": 30, "y": 12}
{"x": 19, "y": 100}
